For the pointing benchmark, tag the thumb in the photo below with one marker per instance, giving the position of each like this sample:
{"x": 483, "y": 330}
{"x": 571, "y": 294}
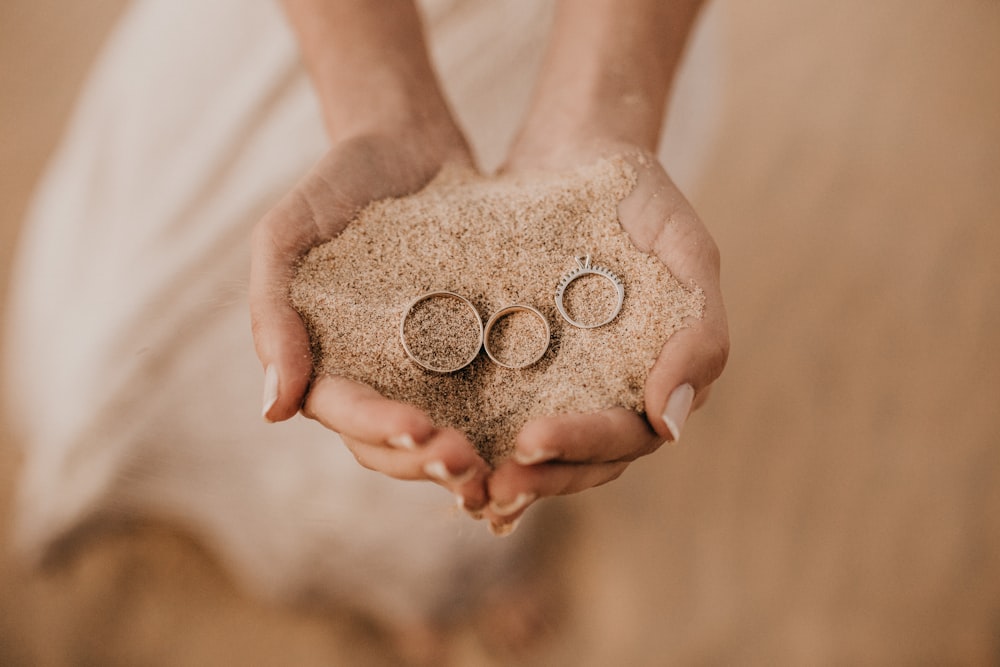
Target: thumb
{"x": 660, "y": 220}
{"x": 279, "y": 334}
{"x": 688, "y": 364}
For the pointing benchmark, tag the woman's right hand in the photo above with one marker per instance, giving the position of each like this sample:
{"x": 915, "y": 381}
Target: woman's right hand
{"x": 394, "y": 438}
{"x": 391, "y": 131}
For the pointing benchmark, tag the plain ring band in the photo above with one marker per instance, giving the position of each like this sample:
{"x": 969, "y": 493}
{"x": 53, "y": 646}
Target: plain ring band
{"x": 583, "y": 268}
{"x": 516, "y": 308}
{"x": 409, "y": 352}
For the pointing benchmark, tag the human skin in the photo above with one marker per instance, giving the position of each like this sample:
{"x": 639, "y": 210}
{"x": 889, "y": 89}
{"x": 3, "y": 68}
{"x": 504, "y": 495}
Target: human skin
{"x": 602, "y": 90}
{"x": 391, "y": 131}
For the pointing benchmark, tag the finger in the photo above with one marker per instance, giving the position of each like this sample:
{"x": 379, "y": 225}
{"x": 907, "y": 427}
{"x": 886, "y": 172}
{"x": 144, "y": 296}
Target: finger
{"x": 398, "y": 439}
{"x": 599, "y": 437}
{"x": 510, "y": 481}
{"x": 447, "y": 459}
{"x": 359, "y": 412}
{"x": 513, "y": 488}
{"x": 687, "y": 365}
{"x": 280, "y": 336}
{"x": 660, "y": 220}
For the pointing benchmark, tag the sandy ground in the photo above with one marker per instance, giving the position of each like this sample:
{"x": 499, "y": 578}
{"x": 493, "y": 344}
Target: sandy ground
{"x": 837, "y": 502}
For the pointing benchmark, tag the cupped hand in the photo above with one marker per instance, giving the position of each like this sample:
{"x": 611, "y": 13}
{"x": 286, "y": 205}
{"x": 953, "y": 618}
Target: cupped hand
{"x": 566, "y": 454}
{"x": 388, "y": 436}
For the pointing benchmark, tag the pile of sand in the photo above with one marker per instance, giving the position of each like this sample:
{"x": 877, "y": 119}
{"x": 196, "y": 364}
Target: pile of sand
{"x": 496, "y": 241}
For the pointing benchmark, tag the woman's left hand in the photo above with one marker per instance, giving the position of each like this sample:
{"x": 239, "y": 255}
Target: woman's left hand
{"x": 570, "y": 453}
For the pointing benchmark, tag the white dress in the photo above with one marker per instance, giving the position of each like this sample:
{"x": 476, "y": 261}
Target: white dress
{"x": 131, "y": 376}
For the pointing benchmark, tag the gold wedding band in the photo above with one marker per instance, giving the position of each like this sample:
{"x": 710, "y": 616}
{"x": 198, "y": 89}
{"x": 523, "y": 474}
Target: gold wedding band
{"x": 500, "y": 314}
{"x": 429, "y": 365}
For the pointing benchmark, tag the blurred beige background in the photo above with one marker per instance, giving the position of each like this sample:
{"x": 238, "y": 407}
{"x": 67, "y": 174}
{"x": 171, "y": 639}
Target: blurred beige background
{"x": 837, "y": 502}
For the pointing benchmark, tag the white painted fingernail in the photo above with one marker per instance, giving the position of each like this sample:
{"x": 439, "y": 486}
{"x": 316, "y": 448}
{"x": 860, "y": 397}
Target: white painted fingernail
{"x": 504, "y": 529}
{"x": 403, "y": 441}
{"x": 677, "y": 410}
{"x": 537, "y": 456}
{"x": 515, "y": 506}
{"x": 439, "y": 471}
{"x": 270, "y": 390}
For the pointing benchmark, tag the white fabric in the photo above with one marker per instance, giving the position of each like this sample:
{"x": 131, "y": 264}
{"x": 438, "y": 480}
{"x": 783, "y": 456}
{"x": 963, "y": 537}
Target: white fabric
{"x": 131, "y": 372}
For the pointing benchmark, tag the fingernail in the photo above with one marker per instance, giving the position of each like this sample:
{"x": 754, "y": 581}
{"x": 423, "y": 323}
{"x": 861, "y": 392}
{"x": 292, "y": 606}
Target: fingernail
{"x": 270, "y": 390}
{"x": 460, "y": 501}
{"x": 537, "y": 456}
{"x": 403, "y": 441}
{"x": 439, "y": 471}
{"x": 515, "y": 506}
{"x": 677, "y": 410}
{"x": 504, "y": 529}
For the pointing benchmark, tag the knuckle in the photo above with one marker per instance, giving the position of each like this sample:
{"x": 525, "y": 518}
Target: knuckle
{"x": 543, "y": 432}
{"x": 647, "y": 448}
{"x": 363, "y": 460}
{"x": 654, "y": 444}
{"x": 615, "y": 473}
{"x": 308, "y": 408}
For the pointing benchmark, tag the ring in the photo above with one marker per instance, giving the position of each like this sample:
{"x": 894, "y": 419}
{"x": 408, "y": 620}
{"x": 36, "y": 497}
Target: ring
{"x": 584, "y": 267}
{"x": 448, "y": 335}
{"x": 503, "y": 312}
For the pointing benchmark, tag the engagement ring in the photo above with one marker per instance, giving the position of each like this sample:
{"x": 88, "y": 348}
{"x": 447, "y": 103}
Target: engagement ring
{"x": 584, "y": 267}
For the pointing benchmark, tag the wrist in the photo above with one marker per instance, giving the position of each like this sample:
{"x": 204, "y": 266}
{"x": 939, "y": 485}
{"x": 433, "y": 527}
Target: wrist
{"x": 607, "y": 73}
{"x": 566, "y": 129}
{"x": 369, "y": 66}
{"x": 579, "y": 122}
{"x": 383, "y": 100}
